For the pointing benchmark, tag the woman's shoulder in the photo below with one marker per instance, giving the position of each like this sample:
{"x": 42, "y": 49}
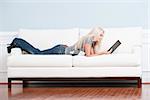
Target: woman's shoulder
{"x": 88, "y": 40}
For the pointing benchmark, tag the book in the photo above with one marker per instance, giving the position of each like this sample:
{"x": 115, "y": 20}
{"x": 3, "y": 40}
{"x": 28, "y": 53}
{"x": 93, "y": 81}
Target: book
{"x": 114, "y": 46}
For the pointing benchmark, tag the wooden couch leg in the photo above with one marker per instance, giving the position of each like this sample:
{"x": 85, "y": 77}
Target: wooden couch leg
{"x": 9, "y": 83}
{"x": 139, "y": 82}
{"x": 24, "y": 83}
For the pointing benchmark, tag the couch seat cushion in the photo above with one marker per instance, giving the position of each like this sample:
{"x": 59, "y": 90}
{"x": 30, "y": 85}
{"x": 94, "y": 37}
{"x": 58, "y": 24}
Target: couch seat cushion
{"x": 112, "y": 60}
{"x": 39, "y": 61}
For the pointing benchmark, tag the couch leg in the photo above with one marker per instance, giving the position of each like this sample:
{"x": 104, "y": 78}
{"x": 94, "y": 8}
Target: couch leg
{"x": 24, "y": 83}
{"x": 139, "y": 82}
{"x": 9, "y": 83}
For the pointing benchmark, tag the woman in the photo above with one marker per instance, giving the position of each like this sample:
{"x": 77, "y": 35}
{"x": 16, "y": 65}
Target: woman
{"x": 88, "y": 44}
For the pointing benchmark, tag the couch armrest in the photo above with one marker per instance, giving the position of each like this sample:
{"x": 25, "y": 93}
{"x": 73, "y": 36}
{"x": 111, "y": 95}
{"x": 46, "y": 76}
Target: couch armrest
{"x": 137, "y": 50}
{"x": 16, "y": 51}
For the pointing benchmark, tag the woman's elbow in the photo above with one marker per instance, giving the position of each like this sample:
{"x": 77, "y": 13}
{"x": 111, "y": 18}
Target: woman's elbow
{"x": 88, "y": 55}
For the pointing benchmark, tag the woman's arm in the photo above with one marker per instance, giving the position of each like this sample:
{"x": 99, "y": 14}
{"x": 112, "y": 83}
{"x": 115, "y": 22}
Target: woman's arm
{"x": 89, "y": 51}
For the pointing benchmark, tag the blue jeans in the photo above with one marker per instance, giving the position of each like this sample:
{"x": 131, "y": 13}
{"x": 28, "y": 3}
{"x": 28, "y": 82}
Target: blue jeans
{"x": 25, "y": 46}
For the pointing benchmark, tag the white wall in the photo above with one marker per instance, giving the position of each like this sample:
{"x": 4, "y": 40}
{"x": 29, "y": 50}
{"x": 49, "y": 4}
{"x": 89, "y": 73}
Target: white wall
{"x": 71, "y": 13}
{"x": 146, "y": 57}
{"x": 1, "y": 10}
{"x": 148, "y": 11}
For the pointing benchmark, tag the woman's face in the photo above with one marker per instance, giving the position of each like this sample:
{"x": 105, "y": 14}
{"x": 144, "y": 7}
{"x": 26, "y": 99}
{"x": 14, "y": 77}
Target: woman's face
{"x": 99, "y": 36}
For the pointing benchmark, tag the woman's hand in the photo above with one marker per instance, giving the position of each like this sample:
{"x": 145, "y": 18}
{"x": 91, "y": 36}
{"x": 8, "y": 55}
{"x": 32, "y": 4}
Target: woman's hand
{"x": 104, "y": 52}
{"x": 107, "y": 52}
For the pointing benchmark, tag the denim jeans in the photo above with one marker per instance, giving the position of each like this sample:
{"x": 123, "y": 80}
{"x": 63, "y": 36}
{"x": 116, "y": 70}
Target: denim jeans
{"x": 25, "y": 46}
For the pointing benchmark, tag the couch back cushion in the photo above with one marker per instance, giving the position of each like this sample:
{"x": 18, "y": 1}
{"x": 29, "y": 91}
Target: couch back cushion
{"x": 44, "y": 39}
{"x": 129, "y": 37}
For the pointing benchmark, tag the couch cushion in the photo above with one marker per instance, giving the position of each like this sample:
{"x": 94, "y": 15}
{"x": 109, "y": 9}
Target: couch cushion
{"x": 44, "y": 39}
{"x": 39, "y": 61}
{"x": 112, "y": 60}
{"x": 128, "y": 36}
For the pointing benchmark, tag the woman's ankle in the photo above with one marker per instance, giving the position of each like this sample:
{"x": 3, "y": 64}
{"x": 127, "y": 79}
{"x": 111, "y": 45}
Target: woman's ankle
{"x": 9, "y": 49}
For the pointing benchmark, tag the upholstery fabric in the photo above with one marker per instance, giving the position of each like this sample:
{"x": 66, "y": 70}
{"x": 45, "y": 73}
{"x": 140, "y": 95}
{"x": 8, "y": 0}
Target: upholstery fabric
{"x": 28, "y": 60}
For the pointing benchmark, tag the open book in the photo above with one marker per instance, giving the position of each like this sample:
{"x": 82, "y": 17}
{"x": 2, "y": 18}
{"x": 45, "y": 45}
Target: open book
{"x": 114, "y": 47}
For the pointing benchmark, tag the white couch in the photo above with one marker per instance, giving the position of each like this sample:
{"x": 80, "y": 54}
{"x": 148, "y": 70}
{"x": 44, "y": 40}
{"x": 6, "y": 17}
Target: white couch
{"x": 124, "y": 63}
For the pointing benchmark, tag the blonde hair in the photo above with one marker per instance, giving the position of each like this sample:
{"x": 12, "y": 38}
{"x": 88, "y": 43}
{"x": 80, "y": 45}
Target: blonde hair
{"x": 94, "y": 32}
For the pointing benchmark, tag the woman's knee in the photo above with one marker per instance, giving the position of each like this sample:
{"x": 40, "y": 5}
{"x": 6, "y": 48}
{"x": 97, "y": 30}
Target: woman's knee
{"x": 16, "y": 40}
